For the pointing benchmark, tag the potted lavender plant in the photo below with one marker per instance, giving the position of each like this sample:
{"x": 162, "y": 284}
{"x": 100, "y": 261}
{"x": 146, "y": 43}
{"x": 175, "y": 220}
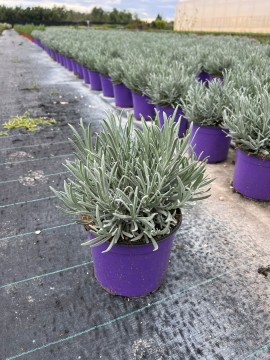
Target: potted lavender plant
{"x": 204, "y": 107}
{"x": 128, "y": 189}
{"x": 249, "y": 123}
{"x": 166, "y": 88}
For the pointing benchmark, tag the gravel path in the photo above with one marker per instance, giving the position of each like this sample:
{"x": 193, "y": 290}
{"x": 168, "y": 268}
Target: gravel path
{"x": 214, "y": 303}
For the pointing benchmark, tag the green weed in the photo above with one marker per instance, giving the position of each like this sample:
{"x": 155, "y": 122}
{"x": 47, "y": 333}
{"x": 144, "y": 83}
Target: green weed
{"x": 27, "y": 122}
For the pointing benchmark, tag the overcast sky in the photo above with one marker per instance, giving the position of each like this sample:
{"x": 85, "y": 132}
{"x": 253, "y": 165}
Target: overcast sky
{"x": 146, "y": 9}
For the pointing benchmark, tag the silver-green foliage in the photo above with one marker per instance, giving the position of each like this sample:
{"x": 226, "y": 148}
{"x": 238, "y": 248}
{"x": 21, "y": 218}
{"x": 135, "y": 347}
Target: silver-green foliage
{"x": 136, "y": 72}
{"x": 116, "y": 71}
{"x": 205, "y": 105}
{"x": 131, "y": 182}
{"x": 249, "y": 122}
{"x": 169, "y": 85}
{"x": 215, "y": 62}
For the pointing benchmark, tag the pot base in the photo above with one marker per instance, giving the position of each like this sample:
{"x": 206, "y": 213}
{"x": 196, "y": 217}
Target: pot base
{"x": 133, "y": 270}
{"x": 111, "y": 292}
{"x": 252, "y": 176}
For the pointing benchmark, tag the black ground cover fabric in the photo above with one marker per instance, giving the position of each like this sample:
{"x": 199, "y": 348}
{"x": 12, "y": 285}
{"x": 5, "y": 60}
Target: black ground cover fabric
{"x": 214, "y": 303}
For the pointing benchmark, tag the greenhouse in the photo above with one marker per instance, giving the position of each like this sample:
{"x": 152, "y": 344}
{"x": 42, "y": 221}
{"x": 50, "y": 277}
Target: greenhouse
{"x": 223, "y": 15}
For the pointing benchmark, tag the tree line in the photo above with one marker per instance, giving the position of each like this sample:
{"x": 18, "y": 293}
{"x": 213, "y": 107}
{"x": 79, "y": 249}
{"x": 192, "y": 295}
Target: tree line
{"x": 58, "y": 15}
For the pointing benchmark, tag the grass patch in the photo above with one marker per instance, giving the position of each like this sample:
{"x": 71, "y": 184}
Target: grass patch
{"x": 4, "y": 26}
{"x": 28, "y": 28}
{"x": 27, "y": 122}
{"x": 55, "y": 92}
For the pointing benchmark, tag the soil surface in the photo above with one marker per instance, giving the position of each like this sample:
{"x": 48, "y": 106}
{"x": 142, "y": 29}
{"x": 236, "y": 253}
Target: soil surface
{"x": 215, "y": 301}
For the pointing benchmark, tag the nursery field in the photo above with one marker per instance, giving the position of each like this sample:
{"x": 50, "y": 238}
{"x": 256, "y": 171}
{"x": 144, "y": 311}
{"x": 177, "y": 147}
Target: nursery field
{"x": 215, "y": 301}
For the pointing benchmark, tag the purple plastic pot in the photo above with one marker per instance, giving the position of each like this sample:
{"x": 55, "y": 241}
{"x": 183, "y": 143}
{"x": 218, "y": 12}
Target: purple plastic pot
{"x": 74, "y": 67}
{"x": 79, "y": 69}
{"x": 88, "y": 71}
{"x": 95, "y": 80}
{"x": 62, "y": 60}
{"x": 35, "y": 41}
{"x": 53, "y": 54}
{"x": 252, "y": 176}
{"x": 122, "y": 95}
{"x": 69, "y": 64}
{"x": 212, "y": 141}
{"x": 142, "y": 107}
{"x": 107, "y": 86}
{"x": 168, "y": 110}
{"x": 205, "y": 77}
{"x": 132, "y": 270}
{"x": 85, "y": 75}
{"x": 58, "y": 58}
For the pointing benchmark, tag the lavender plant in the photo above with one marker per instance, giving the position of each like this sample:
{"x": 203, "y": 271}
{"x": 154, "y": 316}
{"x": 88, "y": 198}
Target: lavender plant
{"x": 249, "y": 122}
{"x": 132, "y": 182}
{"x": 216, "y": 62}
{"x": 205, "y": 106}
{"x": 169, "y": 85}
{"x": 136, "y": 73}
{"x": 116, "y": 71}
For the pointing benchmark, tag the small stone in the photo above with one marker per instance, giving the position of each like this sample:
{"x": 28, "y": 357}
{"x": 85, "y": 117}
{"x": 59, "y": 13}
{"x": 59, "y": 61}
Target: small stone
{"x": 37, "y": 232}
{"x": 221, "y": 198}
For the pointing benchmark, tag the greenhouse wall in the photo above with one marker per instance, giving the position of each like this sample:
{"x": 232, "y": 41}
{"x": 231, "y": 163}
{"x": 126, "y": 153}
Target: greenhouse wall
{"x": 223, "y": 16}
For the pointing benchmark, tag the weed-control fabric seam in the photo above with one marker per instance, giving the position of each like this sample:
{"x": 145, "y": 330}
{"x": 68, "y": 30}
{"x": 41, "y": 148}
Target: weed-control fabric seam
{"x": 129, "y": 314}
{"x": 27, "y": 202}
{"x": 46, "y": 175}
{"x": 257, "y": 352}
{"x": 45, "y": 274}
{"x": 37, "y": 159}
{"x": 35, "y": 145}
{"x": 34, "y": 232}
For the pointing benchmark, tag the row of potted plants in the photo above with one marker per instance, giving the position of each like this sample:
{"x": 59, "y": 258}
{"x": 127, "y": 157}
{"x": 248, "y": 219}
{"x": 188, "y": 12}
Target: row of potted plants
{"x": 131, "y": 61}
{"x": 128, "y": 187}
{"x": 146, "y": 84}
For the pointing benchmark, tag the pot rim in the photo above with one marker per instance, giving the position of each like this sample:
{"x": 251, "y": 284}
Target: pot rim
{"x": 209, "y": 126}
{"x": 252, "y": 157}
